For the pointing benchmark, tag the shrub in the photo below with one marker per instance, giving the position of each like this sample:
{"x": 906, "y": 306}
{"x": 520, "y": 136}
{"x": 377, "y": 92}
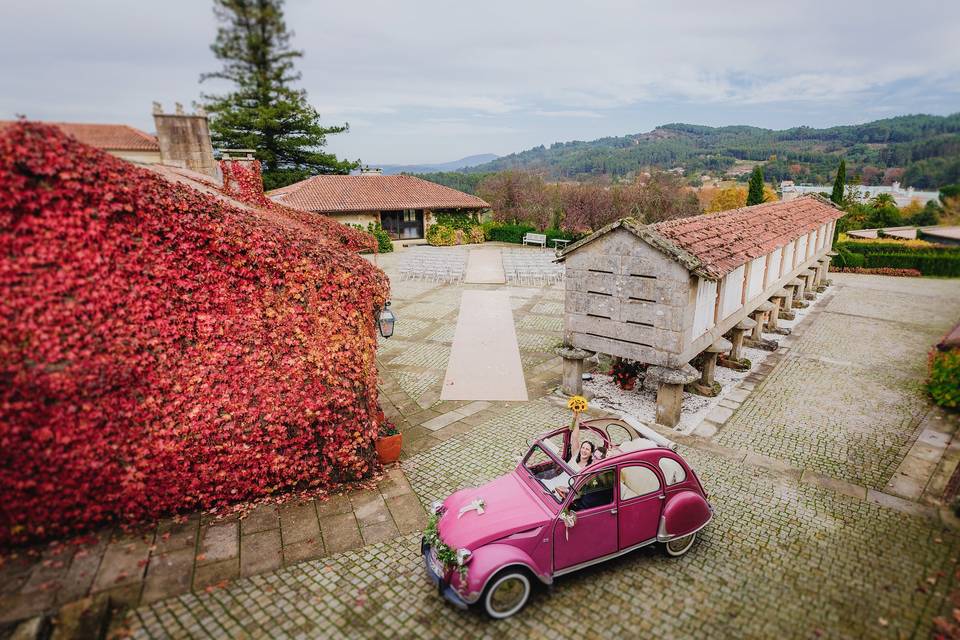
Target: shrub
{"x": 624, "y": 373}
{"x": 464, "y": 221}
{"x": 440, "y": 235}
{"x": 382, "y": 238}
{"x": 944, "y": 383}
{"x": 476, "y": 235}
{"x": 384, "y": 241}
{"x": 164, "y": 349}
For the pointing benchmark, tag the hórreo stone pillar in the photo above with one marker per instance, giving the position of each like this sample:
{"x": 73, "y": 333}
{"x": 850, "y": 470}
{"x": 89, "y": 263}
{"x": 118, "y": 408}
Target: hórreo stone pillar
{"x": 708, "y": 374}
{"x": 737, "y": 335}
{"x": 670, "y": 391}
{"x": 572, "y": 381}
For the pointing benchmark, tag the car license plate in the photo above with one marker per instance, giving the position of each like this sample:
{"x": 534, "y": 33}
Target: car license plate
{"x": 435, "y": 565}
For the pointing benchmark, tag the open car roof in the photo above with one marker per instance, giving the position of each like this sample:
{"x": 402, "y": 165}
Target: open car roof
{"x": 642, "y": 437}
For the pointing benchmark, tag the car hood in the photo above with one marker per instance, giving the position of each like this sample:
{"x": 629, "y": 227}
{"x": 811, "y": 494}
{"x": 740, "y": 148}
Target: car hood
{"x": 508, "y": 507}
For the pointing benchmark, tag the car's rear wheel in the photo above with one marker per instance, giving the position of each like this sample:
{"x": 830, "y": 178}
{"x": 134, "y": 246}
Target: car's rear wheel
{"x": 679, "y": 546}
{"x": 506, "y": 594}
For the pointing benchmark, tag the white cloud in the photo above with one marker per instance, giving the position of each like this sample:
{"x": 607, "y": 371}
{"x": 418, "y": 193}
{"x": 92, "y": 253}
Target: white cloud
{"x": 516, "y": 74}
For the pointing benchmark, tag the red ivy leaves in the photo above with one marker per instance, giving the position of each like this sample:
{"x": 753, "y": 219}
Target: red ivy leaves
{"x": 163, "y": 350}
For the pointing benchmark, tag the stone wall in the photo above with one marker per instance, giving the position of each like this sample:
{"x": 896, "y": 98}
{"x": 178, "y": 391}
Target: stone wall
{"x": 625, "y": 298}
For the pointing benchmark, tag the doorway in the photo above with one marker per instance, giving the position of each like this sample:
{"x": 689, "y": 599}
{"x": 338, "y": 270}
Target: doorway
{"x": 403, "y": 225}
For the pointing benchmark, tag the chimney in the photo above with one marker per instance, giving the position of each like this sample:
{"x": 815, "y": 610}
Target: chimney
{"x": 185, "y": 140}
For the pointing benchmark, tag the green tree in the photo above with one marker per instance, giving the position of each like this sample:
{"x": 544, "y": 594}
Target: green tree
{"x": 755, "y": 193}
{"x": 883, "y": 200}
{"x": 928, "y": 216}
{"x": 263, "y": 111}
{"x": 838, "y": 184}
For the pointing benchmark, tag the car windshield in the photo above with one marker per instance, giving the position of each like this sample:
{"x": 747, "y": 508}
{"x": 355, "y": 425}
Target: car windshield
{"x": 546, "y": 470}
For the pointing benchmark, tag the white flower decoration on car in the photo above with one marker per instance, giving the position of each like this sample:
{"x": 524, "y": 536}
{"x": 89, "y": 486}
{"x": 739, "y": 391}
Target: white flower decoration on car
{"x": 476, "y": 505}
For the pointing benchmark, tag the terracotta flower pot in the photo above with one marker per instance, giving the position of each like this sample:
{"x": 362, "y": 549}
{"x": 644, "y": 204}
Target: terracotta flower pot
{"x": 388, "y": 448}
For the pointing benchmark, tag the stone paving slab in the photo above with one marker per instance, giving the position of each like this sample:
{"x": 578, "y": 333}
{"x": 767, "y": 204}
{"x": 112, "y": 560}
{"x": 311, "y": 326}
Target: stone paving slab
{"x": 199, "y": 552}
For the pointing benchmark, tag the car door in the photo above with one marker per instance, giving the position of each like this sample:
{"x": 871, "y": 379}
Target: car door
{"x": 595, "y": 533}
{"x": 640, "y": 502}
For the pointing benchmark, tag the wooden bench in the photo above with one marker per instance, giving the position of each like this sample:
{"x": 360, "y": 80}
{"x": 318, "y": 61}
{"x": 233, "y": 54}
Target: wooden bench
{"x": 535, "y": 238}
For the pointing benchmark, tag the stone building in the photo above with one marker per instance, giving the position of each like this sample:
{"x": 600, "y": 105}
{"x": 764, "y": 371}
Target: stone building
{"x": 661, "y": 294}
{"x": 405, "y": 206}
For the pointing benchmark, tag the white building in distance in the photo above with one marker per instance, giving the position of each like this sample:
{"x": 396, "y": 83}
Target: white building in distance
{"x": 901, "y": 196}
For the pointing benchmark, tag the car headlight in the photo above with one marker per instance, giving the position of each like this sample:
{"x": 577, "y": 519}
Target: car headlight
{"x": 463, "y": 556}
{"x": 436, "y": 507}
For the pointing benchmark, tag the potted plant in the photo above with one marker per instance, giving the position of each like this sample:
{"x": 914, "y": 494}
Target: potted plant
{"x": 388, "y": 443}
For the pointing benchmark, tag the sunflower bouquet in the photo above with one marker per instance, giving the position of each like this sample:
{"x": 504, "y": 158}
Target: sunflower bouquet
{"x": 577, "y": 404}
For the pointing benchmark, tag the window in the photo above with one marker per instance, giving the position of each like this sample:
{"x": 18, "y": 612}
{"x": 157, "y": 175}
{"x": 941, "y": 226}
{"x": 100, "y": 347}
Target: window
{"x": 637, "y": 480}
{"x": 596, "y": 492}
{"x": 546, "y": 471}
{"x": 673, "y": 471}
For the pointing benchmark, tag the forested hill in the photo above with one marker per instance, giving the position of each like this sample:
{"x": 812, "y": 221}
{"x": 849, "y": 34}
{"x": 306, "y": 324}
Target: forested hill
{"x": 920, "y": 150}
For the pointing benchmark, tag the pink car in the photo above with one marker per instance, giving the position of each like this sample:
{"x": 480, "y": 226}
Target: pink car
{"x": 489, "y": 544}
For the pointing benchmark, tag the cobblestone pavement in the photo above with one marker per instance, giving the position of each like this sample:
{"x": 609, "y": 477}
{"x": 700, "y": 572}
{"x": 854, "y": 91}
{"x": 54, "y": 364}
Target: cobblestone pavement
{"x": 781, "y": 559}
{"x": 418, "y": 353}
{"x": 196, "y": 551}
{"x": 847, "y": 400}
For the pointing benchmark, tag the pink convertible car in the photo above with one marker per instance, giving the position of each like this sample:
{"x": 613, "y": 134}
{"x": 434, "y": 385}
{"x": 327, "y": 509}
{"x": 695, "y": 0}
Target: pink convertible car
{"x": 489, "y": 544}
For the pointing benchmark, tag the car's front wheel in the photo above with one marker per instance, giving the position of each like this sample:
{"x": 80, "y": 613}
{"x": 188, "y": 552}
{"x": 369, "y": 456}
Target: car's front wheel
{"x": 679, "y": 546}
{"x": 506, "y": 594}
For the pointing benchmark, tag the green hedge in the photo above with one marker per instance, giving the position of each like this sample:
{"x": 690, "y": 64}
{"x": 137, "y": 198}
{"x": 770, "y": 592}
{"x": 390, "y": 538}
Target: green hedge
{"x": 848, "y": 259}
{"x": 866, "y": 248}
{"x": 929, "y": 264}
{"x": 505, "y": 232}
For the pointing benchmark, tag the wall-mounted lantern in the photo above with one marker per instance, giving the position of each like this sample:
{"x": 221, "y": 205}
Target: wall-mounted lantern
{"x": 386, "y": 320}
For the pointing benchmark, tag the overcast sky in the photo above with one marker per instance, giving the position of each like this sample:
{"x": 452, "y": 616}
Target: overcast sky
{"x": 432, "y": 81}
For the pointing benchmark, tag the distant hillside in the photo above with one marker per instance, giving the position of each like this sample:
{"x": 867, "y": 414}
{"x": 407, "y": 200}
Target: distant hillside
{"x": 920, "y": 150}
{"x": 462, "y": 163}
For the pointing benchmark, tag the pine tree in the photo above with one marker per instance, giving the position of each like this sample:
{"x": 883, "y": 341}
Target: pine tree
{"x": 755, "y": 193}
{"x": 838, "y": 184}
{"x": 264, "y": 112}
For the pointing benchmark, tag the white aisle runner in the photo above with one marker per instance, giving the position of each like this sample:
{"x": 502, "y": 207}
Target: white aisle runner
{"x": 485, "y": 266}
{"x": 485, "y": 360}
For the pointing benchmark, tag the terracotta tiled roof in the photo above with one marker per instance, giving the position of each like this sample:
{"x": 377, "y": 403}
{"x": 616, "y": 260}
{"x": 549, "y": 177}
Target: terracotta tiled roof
{"x": 724, "y": 241}
{"x": 714, "y": 244}
{"x": 117, "y": 137}
{"x": 336, "y": 194}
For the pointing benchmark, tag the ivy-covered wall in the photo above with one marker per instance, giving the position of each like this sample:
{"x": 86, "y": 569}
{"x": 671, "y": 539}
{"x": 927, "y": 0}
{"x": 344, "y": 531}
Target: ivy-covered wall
{"x": 163, "y": 350}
